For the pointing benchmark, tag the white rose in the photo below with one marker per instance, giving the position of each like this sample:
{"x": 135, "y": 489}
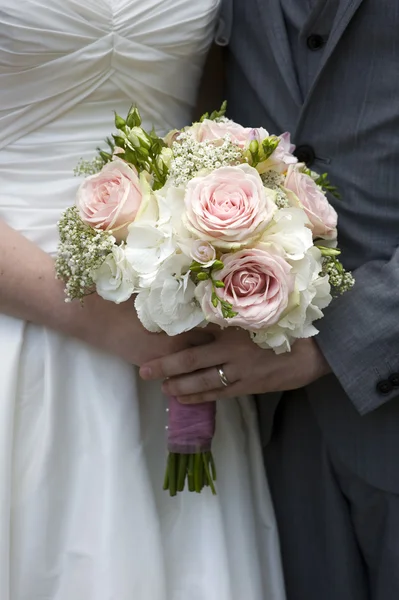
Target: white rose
{"x": 115, "y": 280}
{"x": 203, "y": 253}
{"x": 169, "y": 304}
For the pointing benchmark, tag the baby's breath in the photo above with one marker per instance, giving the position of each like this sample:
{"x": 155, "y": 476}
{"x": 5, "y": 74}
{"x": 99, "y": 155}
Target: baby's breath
{"x": 89, "y": 167}
{"x": 274, "y": 180}
{"x": 191, "y": 157}
{"x": 281, "y": 199}
{"x": 81, "y": 251}
{"x": 340, "y": 280}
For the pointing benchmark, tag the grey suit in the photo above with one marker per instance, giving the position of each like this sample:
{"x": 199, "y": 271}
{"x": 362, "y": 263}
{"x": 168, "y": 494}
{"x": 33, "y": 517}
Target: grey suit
{"x": 335, "y": 86}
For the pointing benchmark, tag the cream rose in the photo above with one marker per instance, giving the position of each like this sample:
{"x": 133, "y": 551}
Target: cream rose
{"x": 321, "y": 214}
{"x": 203, "y": 252}
{"x": 229, "y": 207}
{"x": 258, "y": 283}
{"x": 110, "y": 199}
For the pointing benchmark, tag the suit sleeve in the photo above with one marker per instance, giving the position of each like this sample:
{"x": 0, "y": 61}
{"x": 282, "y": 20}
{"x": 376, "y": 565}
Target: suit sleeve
{"x": 359, "y": 335}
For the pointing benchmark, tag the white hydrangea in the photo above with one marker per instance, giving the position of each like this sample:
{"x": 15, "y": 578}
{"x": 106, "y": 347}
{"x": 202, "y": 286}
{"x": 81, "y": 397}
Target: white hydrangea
{"x": 115, "y": 279}
{"x": 289, "y": 230}
{"x": 169, "y": 304}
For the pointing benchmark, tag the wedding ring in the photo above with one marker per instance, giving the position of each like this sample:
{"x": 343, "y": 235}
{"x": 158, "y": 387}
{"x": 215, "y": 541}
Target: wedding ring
{"x": 223, "y": 377}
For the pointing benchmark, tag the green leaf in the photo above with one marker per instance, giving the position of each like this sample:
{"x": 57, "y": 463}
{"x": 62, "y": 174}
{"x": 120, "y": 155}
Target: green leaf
{"x": 216, "y": 114}
{"x": 323, "y": 182}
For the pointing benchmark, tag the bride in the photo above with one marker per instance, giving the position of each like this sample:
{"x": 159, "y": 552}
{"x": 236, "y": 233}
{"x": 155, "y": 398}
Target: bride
{"x": 82, "y": 439}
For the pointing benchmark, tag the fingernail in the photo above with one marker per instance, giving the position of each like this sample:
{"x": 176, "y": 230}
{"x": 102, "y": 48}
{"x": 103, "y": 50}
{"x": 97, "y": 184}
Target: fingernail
{"x": 164, "y": 388}
{"x": 145, "y": 372}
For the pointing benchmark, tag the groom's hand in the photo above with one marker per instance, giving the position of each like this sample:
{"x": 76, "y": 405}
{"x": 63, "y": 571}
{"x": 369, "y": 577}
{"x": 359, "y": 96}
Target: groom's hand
{"x": 192, "y": 375}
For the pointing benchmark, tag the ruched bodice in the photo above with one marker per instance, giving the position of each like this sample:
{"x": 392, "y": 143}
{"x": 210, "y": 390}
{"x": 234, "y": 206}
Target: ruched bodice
{"x": 65, "y": 65}
{"x": 62, "y": 51}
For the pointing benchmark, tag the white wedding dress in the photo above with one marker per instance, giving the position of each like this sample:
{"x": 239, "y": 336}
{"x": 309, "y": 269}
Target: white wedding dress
{"x": 82, "y": 439}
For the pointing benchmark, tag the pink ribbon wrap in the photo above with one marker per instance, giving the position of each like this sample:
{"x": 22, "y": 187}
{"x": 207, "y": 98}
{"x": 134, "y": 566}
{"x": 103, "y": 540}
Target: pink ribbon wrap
{"x": 191, "y": 426}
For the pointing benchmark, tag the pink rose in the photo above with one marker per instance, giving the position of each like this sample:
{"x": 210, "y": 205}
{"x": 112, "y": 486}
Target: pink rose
{"x": 110, "y": 199}
{"x": 258, "y": 283}
{"x": 209, "y": 131}
{"x": 321, "y": 214}
{"x": 228, "y": 207}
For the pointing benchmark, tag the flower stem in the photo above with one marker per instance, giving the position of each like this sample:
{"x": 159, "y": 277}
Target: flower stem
{"x": 197, "y": 473}
{"x": 166, "y": 479}
{"x": 183, "y": 460}
{"x": 190, "y": 474}
{"x": 208, "y": 477}
{"x": 198, "y": 469}
{"x": 172, "y": 473}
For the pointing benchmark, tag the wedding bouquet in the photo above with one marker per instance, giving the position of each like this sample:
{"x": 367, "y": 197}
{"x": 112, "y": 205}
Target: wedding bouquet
{"x": 216, "y": 223}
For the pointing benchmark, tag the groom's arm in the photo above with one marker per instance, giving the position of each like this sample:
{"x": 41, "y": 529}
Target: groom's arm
{"x": 359, "y": 335}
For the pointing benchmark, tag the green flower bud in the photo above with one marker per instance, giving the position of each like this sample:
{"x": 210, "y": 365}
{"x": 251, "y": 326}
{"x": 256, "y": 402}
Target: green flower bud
{"x": 142, "y": 152}
{"x": 254, "y": 147}
{"x": 269, "y": 145}
{"x": 217, "y": 265}
{"x": 202, "y": 276}
{"x": 329, "y": 251}
{"x": 219, "y": 284}
{"x": 139, "y": 138}
{"x": 120, "y": 123}
{"x": 105, "y": 156}
{"x": 119, "y": 141}
{"x": 133, "y": 118}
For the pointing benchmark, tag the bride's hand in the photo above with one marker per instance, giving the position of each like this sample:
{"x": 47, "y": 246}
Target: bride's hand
{"x": 117, "y": 329}
{"x": 193, "y": 376}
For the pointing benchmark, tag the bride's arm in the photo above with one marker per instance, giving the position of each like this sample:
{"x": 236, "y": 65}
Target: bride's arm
{"x": 30, "y": 291}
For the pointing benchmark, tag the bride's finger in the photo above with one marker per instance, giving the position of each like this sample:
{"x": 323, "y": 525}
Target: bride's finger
{"x": 200, "y": 382}
{"x": 186, "y": 361}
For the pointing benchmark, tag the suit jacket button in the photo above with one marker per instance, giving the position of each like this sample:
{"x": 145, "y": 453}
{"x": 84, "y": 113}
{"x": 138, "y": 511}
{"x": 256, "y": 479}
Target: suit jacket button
{"x": 384, "y": 387}
{"x": 394, "y": 379}
{"x": 315, "y": 42}
{"x": 305, "y": 154}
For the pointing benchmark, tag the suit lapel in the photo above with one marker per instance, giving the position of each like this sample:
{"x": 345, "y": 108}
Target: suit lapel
{"x": 272, "y": 19}
{"x": 345, "y": 13}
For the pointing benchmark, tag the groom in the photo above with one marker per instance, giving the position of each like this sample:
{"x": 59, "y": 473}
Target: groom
{"x": 328, "y": 72}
